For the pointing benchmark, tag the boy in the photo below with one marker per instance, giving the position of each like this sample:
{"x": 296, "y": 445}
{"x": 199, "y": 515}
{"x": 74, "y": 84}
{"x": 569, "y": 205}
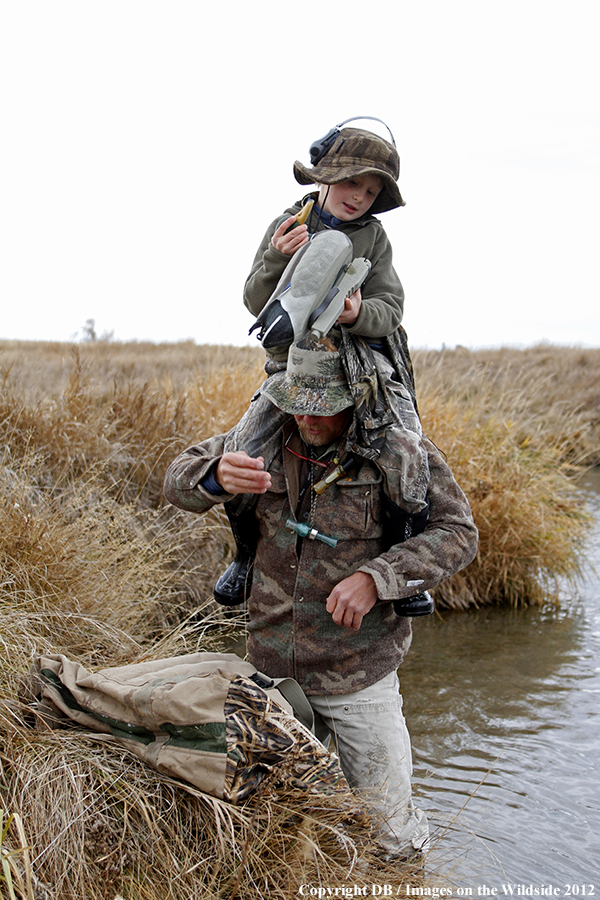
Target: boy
{"x": 356, "y": 178}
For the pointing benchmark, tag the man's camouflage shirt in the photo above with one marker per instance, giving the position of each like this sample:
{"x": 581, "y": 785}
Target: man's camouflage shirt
{"x": 290, "y": 632}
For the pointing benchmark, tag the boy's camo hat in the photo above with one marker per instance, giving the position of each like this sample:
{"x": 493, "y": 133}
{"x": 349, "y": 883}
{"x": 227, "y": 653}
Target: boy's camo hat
{"x": 314, "y": 383}
{"x": 357, "y": 152}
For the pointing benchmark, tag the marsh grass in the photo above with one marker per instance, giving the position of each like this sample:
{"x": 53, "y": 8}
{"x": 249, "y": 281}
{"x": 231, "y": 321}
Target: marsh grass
{"x": 531, "y": 518}
{"x": 550, "y": 394}
{"x": 517, "y": 428}
{"x": 95, "y": 565}
{"x": 95, "y": 822}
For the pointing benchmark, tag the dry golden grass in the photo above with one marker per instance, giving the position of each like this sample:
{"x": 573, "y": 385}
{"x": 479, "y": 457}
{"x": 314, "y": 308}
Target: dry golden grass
{"x": 97, "y": 823}
{"x": 531, "y": 518}
{"x": 95, "y": 565}
{"x": 43, "y": 369}
{"x": 547, "y": 392}
{"x": 517, "y": 427}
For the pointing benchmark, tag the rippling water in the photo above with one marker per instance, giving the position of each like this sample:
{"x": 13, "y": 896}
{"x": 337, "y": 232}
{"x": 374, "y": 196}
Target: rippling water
{"x": 504, "y": 712}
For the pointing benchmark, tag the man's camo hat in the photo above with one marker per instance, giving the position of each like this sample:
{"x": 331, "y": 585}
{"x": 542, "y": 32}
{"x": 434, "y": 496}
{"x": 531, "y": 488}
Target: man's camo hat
{"x": 357, "y": 152}
{"x": 314, "y": 383}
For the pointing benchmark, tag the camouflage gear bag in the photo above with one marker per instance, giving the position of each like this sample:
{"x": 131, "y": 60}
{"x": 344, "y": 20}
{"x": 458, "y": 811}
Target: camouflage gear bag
{"x": 209, "y": 719}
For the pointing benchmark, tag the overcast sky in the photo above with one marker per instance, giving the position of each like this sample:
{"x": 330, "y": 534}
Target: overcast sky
{"x": 147, "y": 145}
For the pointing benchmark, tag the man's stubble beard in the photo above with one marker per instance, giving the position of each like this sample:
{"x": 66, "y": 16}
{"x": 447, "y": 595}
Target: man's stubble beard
{"x": 314, "y": 440}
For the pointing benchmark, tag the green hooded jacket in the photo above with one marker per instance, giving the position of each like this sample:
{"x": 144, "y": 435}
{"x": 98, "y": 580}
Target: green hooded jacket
{"x": 382, "y": 293}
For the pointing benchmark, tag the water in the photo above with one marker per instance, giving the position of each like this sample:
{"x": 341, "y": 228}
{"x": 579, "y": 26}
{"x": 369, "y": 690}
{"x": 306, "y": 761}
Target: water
{"x": 504, "y": 713}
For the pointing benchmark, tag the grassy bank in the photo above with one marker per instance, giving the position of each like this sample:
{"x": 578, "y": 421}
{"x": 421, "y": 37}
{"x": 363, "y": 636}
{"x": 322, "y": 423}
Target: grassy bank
{"x": 94, "y": 565}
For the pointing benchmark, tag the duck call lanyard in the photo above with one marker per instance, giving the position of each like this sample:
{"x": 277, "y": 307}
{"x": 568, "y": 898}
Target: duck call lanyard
{"x": 308, "y": 530}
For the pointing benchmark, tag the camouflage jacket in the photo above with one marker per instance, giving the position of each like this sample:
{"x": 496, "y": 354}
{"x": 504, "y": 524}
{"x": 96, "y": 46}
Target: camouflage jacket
{"x": 291, "y": 634}
{"x": 382, "y": 293}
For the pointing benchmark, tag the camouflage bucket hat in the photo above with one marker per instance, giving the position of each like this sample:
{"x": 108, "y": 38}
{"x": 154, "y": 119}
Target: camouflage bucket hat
{"x": 314, "y": 383}
{"x": 357, "y": 152}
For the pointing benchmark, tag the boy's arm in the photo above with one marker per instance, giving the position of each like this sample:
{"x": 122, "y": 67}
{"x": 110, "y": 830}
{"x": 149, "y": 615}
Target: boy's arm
{"x": 382, "y": 295}
{"x": 267, "y": 269}
{"x": 382, "y": 305}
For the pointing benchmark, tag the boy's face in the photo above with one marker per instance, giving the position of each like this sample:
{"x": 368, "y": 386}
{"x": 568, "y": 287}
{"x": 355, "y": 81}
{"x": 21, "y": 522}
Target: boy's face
{"x": 350, "y": 199}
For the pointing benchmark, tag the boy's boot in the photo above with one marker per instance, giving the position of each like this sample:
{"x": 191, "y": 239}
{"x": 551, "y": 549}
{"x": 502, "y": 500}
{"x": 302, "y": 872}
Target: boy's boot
{"x": 398, "y": 526}
{"x": 233, "y": 587}
{"x": 419, "y": 605}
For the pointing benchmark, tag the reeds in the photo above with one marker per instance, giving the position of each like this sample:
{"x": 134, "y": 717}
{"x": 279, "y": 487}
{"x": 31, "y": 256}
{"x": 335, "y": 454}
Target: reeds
{"x": 97, "y": 823}
{"x": 550, "y": 394}
{"x": 531, "y": 517}
{"x": 517, "y": 427}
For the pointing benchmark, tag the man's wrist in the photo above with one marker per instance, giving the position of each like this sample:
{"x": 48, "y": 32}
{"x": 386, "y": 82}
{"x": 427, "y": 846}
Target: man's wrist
{"x": 209, "y": 481}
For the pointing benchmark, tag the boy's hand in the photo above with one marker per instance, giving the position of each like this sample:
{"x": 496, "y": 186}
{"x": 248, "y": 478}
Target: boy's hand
{"x": 238, "y": 473}
{"x": 293, "y": 240}
{"x": 352, "y": 305}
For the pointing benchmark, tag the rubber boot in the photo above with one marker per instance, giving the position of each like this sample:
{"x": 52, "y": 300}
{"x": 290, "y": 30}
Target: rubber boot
{"x": 419, "y": 605}
{"x": 233, "y": 587}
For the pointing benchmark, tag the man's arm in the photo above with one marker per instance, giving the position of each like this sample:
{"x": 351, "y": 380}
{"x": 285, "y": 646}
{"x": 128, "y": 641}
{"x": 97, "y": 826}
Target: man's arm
{"x": 233, "y": 472}
{"x": 238, "y": 473}
{"x": 447, "y": 545}
{"x": 351, "y": 600}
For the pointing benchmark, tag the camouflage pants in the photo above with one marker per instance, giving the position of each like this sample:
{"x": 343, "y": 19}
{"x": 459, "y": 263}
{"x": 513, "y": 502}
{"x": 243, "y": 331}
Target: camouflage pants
{"x": 371, "y": 739}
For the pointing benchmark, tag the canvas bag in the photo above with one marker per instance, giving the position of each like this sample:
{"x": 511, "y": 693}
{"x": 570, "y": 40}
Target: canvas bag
{"x": 208, "y": 718}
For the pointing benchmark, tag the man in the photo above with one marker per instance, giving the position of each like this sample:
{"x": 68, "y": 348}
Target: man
{"x": 327, "y": 568}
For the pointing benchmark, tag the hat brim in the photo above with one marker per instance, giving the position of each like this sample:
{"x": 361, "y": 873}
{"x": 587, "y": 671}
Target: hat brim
{"x": 388, "y": 198}
{"x": 306, "y": 400}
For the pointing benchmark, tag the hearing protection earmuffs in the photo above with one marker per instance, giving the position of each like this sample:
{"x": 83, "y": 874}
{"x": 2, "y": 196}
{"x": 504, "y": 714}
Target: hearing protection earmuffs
{"x": 320, "y": 147}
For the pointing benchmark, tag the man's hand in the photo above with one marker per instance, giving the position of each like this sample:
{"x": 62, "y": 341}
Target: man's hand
{"x": 293, "y": 240}
{"x": 238, "y": 473}
{"x": 352, "y": 599}
{"x": 352, "y": 305}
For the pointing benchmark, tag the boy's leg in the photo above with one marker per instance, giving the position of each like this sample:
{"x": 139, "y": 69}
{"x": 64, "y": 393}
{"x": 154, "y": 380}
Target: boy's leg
{"x": 258, "y": 434}
{"x": 372, "y": 741}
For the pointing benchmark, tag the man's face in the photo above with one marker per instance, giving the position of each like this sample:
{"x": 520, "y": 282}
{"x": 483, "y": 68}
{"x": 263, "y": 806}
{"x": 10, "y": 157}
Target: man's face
{"x": 318, "y": 431}
{"x": 352, "y": 198}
